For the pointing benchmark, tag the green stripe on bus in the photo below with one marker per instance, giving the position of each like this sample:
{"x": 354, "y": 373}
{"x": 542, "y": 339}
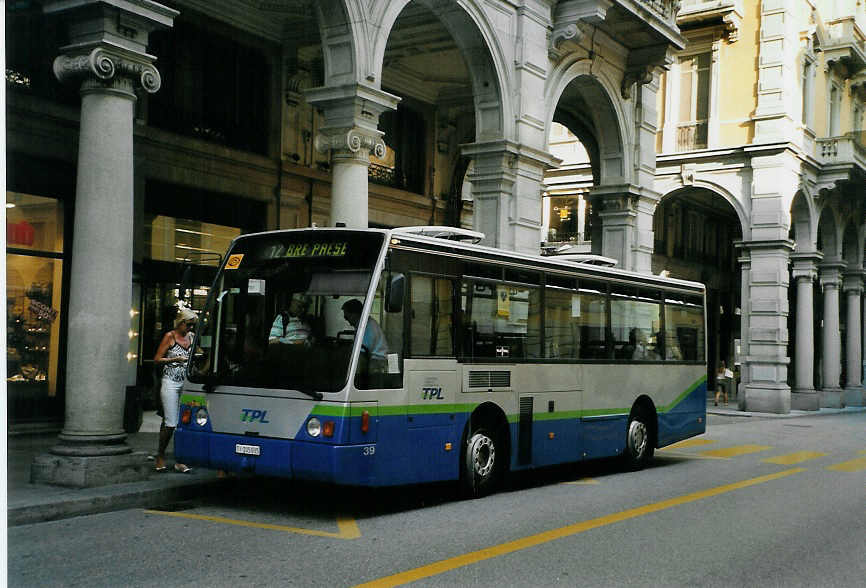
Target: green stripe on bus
{"x": 597, "y": 412}
{"x": 683, "y": 396}
{"x": 433, "y": 409}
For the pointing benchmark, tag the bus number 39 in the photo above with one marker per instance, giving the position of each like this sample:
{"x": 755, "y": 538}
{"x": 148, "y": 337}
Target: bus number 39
{"x": 369, "y": 450}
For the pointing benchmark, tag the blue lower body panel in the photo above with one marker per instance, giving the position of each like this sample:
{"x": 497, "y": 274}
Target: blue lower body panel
{"x": 686, "y": 419}
{"x": 411, "y": 456}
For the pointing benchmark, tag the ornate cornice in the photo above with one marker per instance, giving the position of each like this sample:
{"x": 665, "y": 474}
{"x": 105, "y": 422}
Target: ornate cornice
{"x": 830, "y": 273}
{"x": 105, "y": 65}
{"x": 805, "y": 265}
{"x": 641, "y": 65}
{"x": 852, "y": 282}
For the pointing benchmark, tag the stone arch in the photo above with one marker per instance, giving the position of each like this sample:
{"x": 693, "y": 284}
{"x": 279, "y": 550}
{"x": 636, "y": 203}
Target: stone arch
{"x": 804, "y": 229}
{"x": 605, "y": 120}
{"x": 852, "y": 247}
{"x": 718, "y": 190}
{"x": 474, "y": 36}
{"x": 828, "y": 238}
{"x": 341, "y": 26}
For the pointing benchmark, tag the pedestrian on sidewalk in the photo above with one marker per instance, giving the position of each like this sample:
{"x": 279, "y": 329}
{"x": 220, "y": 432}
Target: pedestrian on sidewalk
{"x": 724, "y": 378}
{"x": 172, "y": 355}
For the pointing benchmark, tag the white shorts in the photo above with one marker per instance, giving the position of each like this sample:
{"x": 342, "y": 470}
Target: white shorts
{"x": 170, "y": 396}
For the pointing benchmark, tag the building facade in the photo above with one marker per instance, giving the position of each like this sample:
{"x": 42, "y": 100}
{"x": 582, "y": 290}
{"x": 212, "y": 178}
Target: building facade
{"x": 143, "y": 136}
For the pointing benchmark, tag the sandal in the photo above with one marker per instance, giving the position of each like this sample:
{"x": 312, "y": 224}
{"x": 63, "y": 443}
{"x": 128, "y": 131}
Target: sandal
{"x": 183, "y": 469}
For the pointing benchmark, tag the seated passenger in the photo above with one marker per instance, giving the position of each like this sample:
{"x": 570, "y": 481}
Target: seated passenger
{"x": 641, "y": 347}
{"x": 293, "y": 327}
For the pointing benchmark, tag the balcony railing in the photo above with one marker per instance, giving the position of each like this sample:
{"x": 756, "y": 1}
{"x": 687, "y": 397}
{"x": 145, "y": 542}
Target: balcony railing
{"x": 666, "y": 8}
{"x": 848, "y": 149}
{"x": 701, "y": 12}
{"x": 692, "y": 136}
{"x": 385, "y": 176}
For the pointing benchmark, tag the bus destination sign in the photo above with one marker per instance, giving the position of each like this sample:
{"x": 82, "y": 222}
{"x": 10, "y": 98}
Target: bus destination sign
{"x": 337, "y": 249}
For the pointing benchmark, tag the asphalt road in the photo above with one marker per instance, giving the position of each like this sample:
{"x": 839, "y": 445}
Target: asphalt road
{"x": 775, "y": 502}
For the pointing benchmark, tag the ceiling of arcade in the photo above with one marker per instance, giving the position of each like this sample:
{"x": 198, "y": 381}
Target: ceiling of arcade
{"x": 421, "y": 58}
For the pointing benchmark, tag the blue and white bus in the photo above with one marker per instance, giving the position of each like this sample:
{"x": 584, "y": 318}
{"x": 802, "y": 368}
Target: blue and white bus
{"x": 473, "y": 361}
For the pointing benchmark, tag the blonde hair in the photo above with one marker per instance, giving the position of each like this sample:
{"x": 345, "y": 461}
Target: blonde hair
{"x": 184, "y": 314}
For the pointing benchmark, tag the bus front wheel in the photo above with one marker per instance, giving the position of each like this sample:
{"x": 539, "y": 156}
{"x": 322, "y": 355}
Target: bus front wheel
{"x": 482, "y": 463}
{"x": 639, "y": 441}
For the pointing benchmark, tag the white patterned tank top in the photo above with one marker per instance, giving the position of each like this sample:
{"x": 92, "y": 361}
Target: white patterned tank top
{"x": 176, "y": 372}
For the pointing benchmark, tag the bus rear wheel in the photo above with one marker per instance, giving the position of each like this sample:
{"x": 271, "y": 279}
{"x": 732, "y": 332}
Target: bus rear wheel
{"x": 639, "y": 446}
{"x": 482, "y": 463}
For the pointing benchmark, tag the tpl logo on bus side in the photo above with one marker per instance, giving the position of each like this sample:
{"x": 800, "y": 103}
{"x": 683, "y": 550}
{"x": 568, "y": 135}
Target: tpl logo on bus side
{"x": 431, "y": 393}
{"x": 251, "y": 415}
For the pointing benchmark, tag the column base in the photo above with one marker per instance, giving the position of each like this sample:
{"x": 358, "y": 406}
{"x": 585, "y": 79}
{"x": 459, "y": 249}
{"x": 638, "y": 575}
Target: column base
{"x": 805, "y": 399}
{"x": 854, "y": 396}
{"x": 89, "y": 471}
{"x": 832, "y": 398}
{"x": 775, "y": 400}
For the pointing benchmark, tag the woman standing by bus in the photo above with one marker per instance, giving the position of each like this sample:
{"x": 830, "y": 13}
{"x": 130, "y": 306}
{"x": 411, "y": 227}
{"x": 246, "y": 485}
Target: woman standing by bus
{"x": 172, "y": 353}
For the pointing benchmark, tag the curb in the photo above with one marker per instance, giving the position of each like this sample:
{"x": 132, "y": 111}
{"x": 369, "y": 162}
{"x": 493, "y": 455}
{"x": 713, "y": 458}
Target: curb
{"x": 107, "y": 499}
{"x": 732, "y": 412}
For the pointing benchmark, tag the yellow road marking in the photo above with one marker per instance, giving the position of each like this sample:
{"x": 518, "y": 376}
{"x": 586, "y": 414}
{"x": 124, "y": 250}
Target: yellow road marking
{"x": 685, "y": 455}
{"x": 735, "y": 451}
{"x": 688, "y": 443}
{"x": 854, "y": 465}
{"x": 792, "y": 458}
{"x": 584, "y": 481}
{"x": 347, "y": 525}
{"x": 505, "y": 548}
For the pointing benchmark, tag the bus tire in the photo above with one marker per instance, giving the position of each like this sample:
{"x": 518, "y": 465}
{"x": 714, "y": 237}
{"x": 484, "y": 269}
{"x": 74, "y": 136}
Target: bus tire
{"x": 639, "y": 446}
{"x": 483, "y": 457}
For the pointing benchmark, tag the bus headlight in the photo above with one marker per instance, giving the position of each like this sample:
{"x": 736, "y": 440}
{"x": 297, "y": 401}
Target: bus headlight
{"x": 201, "y": 417}
{"x": 314, "y": 427}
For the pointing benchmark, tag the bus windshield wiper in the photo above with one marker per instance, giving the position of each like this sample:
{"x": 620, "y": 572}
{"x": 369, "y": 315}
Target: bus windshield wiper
{"x": 311, "y": 393}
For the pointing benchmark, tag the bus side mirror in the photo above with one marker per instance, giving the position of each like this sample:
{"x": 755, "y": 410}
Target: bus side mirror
{"x": 394, "y": 293}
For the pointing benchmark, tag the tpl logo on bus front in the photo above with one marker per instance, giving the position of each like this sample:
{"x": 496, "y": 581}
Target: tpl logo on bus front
{"x": 431, "y": 393}
{"x": 251, "y": 415}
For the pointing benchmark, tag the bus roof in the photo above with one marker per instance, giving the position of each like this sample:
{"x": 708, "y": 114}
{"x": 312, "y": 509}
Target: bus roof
{"x": 447, "y": 243}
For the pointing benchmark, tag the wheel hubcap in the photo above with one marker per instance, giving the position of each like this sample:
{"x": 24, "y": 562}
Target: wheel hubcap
{"x": 483, "y": 455}
{"x": 637, "y": 438}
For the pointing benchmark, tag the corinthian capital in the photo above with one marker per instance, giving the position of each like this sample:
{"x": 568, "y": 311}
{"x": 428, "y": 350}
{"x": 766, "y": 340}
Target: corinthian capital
{"x": 106, "y": 65}
{"x": 357, "y": 141}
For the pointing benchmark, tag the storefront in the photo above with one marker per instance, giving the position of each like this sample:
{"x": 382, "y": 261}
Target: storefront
{"x": 34, "y": 307}
{"x": 185, "y": 234}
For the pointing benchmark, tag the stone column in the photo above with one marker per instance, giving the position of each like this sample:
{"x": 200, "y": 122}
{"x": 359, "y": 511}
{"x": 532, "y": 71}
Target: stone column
{"x": 745, "y": 310}
{"x": 506, "y": 191}
{"x": 766, "y": 361}
{"x": 831, "y": 394}
{"x": 804, "y": 396}
{"x": 853, "y": 288}
{"x": 626, "y": 214}
{"x": 351, "y": 134}
{"x": 107, "y": 56}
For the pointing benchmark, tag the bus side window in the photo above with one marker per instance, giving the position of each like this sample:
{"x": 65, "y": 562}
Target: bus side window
{"x": 590, "y": 312}
{"x": 374, "y": 372}
{"x": 684, "y": 328}
{"x": 432, "y": 324}
{"x": 561, "y": 323}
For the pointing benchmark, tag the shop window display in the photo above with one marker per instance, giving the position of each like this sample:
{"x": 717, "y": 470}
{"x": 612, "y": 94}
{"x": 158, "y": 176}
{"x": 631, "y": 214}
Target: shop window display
{"x": 34, "y": 268}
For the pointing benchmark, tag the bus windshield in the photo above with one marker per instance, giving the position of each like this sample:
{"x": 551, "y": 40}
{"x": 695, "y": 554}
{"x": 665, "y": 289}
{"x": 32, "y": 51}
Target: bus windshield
{"x": 276, "y": 316}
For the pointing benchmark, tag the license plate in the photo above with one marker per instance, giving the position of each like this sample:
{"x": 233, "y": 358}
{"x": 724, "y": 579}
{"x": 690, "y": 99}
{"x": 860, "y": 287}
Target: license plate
{"x": 248, "y": 449}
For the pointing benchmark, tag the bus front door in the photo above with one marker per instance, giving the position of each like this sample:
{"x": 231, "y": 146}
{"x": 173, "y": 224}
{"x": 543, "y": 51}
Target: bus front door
{"x": 433, "y": 440}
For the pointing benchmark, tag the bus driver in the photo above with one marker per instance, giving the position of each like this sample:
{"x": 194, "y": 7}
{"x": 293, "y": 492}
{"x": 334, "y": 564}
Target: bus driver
{"x": 374, "y": 341}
